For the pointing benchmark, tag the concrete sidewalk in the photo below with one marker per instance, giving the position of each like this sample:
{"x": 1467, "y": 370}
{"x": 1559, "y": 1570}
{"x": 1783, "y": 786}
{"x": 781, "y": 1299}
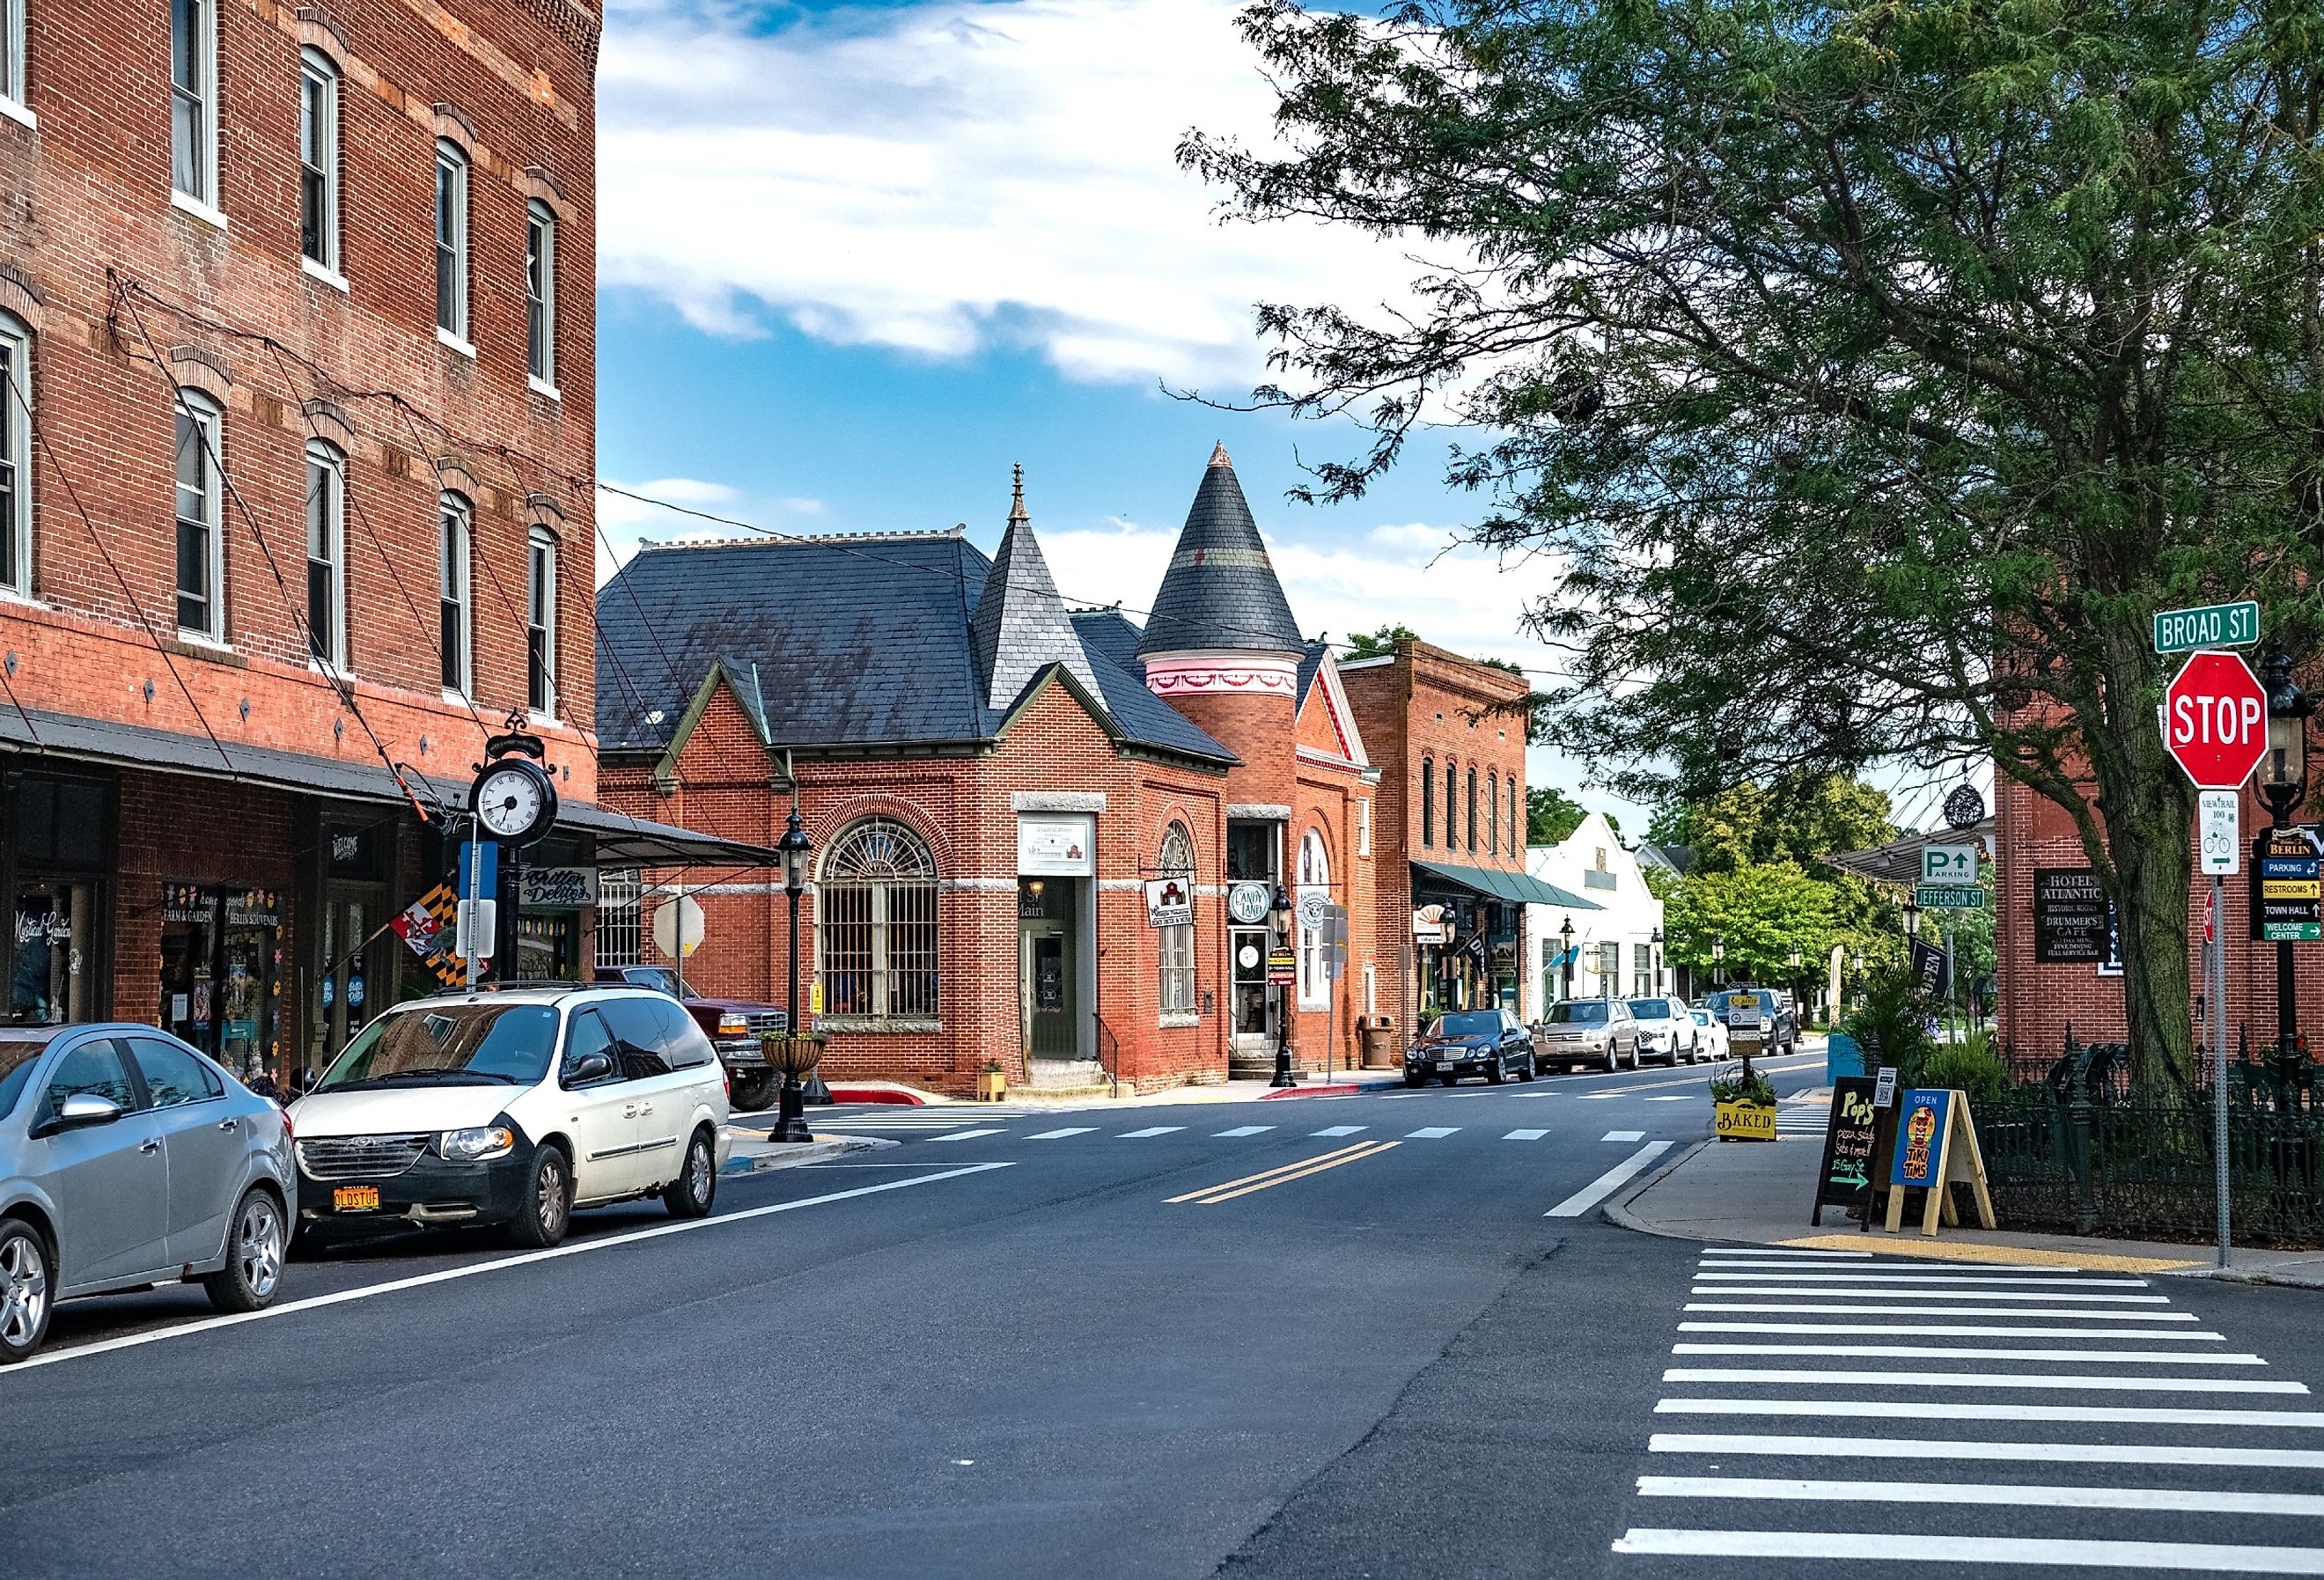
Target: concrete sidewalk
{"x": 1314, "y": 1083}
{"x": 752, "y": 1153}
{"x": 1762, "y": 1193}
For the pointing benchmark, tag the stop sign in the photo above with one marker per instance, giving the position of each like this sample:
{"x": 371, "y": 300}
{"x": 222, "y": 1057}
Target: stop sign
{"x": 2215, "y": 720}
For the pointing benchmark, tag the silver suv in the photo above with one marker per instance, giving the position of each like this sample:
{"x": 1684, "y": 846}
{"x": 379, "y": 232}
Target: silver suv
{"x": 126, "y": 1160}
{"x": 1586, "y": 1031}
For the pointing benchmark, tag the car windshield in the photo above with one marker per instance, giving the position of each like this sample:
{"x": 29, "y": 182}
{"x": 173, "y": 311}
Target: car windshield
{"x": 653, "y": 977}
{"x": 1701, "y": 1017}
{"x": 18, "y": 1055}
{"x": 1578, "y": 1012}
{"x": 1650, "y": 1009}
{"x": 1468, "y": 1024}
{"x": 448, "y": 1045}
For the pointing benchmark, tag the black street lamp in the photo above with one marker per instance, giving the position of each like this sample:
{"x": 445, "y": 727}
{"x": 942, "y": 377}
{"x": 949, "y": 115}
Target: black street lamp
{"x": 1719, "y": 956}
{"x": 2283, "y": 785}
{"x": 1566, "y": 956}
{"x": 1281, "y": 918}
{"x": 1655, "y": 939}
{"x": 790, "y": 1114}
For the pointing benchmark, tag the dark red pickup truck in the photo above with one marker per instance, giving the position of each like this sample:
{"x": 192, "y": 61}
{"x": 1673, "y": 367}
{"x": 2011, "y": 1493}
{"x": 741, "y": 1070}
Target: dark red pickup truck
{"x": 734, "y": 1029}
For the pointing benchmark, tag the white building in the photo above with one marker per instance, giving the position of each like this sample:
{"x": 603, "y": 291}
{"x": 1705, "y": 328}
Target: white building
{"x": 1617, "y": 949}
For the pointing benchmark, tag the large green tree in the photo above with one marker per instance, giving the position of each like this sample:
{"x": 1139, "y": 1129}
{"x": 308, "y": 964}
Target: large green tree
{"x": 1875, "y": 368}
{"x": 1759, "y": 913}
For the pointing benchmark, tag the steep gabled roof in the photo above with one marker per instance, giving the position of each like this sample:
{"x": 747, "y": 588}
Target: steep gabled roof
{"x": 1220, "y": 592}
{"x": 1020, "y": 626}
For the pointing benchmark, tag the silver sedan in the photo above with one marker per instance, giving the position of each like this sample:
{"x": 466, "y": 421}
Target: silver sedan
{"x": 127, "y": 1158}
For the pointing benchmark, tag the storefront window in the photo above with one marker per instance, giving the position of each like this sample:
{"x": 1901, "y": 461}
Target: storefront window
{"x": 54, "y": 961}
{"x": 222, "y": 974}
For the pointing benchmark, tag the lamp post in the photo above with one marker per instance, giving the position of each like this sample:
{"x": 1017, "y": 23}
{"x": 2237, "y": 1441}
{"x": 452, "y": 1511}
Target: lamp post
{"x": 1566, "y": 956}
{"x": 1719, "y": 957}
{"x": 790, "y": 1113}
{"x": 1656, "y": 940}
{"x": 1796, "y": 986}
{"x": 1280, "y": 915}
{"x": 2283, "y": 785}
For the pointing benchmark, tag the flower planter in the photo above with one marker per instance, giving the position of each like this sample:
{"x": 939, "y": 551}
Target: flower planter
{"x": 992, "y": 1085}
{"x": 1743, "y": 1122}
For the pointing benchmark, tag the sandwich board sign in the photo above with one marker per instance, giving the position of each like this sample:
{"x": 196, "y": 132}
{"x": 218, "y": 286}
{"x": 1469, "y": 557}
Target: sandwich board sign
{"x": 1850, "y": 1138}
{"x": 1936, "y": 1148}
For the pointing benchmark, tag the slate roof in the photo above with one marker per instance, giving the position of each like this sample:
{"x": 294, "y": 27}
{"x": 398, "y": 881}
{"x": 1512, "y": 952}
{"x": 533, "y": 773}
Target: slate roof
{"x": 1110, "y": 633}
{"x": 1310, "y": 664}
{"x": 856, "y": 640}
{"x": 1219, "y": 591}
{"x": 1019, "y": 627}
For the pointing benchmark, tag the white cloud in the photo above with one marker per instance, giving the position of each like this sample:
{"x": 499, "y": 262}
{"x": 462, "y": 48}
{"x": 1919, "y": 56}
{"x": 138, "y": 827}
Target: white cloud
{"x": 953, "y": 176}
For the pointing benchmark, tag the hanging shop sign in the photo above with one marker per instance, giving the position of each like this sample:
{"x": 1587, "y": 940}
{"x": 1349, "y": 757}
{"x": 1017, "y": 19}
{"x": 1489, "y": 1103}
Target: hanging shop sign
{"x": 558, "y": 888}
{"x": 187, "y": 902}
{"x": 1249, "y": 902}
{"x": 2287, "y": 888}
{"x": 2072, "y": 916}
{"x": 253, "y": 908}
{"x": 1056, "y": 848}
{"x": 1170, "y": 901}
{"x": 1433, "y": 924}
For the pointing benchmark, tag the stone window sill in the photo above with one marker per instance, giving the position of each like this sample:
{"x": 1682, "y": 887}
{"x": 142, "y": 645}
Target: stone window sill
{"x": 1180, "y": 1020}
{"x": 200, "y": 210}
{"x": 324, "y": 272}
{"x": 877, "y": 1025}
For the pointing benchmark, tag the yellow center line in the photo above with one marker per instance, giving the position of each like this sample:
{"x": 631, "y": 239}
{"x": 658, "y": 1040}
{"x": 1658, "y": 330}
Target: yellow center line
{"x": 1282, "y": 1168}
{"x": 1373, "y": 1150}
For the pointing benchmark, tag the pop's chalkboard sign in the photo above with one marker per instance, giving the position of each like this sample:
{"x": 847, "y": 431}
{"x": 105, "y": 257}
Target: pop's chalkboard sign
{"x": 1850, "y": 1137}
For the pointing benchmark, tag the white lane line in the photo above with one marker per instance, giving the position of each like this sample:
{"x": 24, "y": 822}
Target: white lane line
{"x": 968, "y": 1135}
{"x": 1971, "y": 1451}
{"x": 1773, "y": 1250}
{"x": 2061, "y": 1295}
{"x": 1946, "y": 1409}
{"x": 2014, "y": 1551}
{"x": 1525, "y": 1135}
{"x": 1624, "y": 1135}
{"x": 1431, "y": 1132}
{"x": 2009, "y": 1494}
{"x": 498, "y": 1264}
{"x": 1607, "y": 1183}
{"x": 1602, "y": 1096}
{"x": 1340, "y": 1130}
{"x": 1968, "y": 1352}
{"x": 1059, "y": 1135}
{"x": 1151, "y": 1129}
{"x": 1802, "y": 1376}
{"x": 1945, "y": 1330}
{"x": 1245, "y": 1130}
{"x": 1682, "y": 1097}
{"x": 1889, "y": 1278}
{"x": 1858, "y": 1269}
{"x": 1859, "y": 1309}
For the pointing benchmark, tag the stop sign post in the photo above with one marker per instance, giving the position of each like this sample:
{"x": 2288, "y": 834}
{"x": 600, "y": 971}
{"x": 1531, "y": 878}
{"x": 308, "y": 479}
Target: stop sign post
{"x": 2215, "y": 720}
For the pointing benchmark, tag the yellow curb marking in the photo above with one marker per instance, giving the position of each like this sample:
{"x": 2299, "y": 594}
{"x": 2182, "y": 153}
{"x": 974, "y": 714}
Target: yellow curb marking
{"x": 2014, "y": 1255}
{"x": 1210, "y": 1195}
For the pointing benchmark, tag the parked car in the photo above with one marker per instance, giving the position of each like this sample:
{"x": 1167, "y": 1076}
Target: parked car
{"x": 128, "y": 1159}
{"x": 1665, "y": 1027}
{"x": 1491, "y": 1043}
{"x": 1779, "y": 1022}
{"x": 513, "y": 1109}
{"x": 1582, "y": 1031}
{"x": 732, "y": 1026}
{"x": 1711, "y": 1032}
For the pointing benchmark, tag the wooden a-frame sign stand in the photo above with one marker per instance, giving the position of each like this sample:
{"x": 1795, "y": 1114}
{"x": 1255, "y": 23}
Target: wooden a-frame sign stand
{"x": 1958, "y": 1160}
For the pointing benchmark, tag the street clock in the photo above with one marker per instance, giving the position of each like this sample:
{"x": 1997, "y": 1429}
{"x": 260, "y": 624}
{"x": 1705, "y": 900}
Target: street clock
{"x": 514, "y": 801}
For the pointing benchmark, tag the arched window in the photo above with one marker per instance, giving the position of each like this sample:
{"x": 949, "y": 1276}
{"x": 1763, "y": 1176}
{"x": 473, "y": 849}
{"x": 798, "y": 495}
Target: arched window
{"x": 452, "y": 240}
{"x": 1517, "y": 821}
{"x": 1177, "y": 943}
{"x": 1428, "y": 801}
{"x": 1472, "y": 809}
{"x": 1314, "y": 872}
{"x": 15, "y": 456}
{"x": 318, "y": 159}
{"x": 1492, "y": 813}
{"x": 875, "y": 924}
{"x": 1451, "y": 800}
{"x": 327, "y": 562}
{"x": 452, "y": 591}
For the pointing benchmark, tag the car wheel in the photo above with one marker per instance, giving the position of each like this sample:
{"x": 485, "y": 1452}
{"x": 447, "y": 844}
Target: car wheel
{"x": 689, "y": 1195}
{"x": 1411, "y": 1079}
{"x": 1613, "y": 1056}
{"x": 754, "y": 1091}
{"x": 546, "y": 1211}
{"x": 1529, "y": 1071}
{"x": 252, "y": 1274}
{"x": 1499, "y": 1073}
{"x": 26, "y": 1279}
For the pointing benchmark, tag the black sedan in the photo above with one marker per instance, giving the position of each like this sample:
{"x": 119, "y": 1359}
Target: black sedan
{"x": 1491, "y": 1043}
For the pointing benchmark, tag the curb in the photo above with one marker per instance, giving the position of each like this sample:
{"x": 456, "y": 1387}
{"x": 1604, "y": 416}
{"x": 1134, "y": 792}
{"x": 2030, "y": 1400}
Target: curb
{"x": 1347, "y": 1089}
{"x": 877, "y": 1095}
{"x": 815, "y": 1151}
{"x": 1619, "y": 1215}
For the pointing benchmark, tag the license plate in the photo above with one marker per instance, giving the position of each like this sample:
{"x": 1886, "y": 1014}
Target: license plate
{"x": 1444, "y": 1064}
{"x": 354, "y": 1198}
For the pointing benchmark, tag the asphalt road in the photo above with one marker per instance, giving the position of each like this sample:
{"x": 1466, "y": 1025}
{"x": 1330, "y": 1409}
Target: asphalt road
{"x": 1314, "y": 1336}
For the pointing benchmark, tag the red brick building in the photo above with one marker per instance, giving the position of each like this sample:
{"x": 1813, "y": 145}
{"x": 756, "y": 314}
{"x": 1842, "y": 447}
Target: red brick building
{"x": 1003, "y": 794}
{"x": 256, "y": 615}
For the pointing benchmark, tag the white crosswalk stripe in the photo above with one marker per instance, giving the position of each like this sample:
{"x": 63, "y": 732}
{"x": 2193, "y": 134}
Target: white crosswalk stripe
{"x": 1340, "y": 1130}
{"x": 1525, "y": 1135}
{"x": 1246, "y": 1130}
{"x": 968, "y": 1135}
{"x": 1151, "y": 1129}
{"x": 1806, "y": 1478}
{"x": 1431, "y": 1132}
{"x": 1059, "y": 1135}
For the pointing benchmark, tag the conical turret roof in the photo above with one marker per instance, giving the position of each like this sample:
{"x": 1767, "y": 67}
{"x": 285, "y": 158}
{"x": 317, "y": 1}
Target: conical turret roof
{"x": 1020, "y": 626}
{"x": 1219, "y": 591}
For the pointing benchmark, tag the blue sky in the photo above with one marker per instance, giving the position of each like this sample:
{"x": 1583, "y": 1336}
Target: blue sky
{"x": 856, "y": 260}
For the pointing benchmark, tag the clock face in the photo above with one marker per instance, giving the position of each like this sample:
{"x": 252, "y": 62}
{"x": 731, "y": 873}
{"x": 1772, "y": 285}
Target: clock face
{"x": 509, "y": 802}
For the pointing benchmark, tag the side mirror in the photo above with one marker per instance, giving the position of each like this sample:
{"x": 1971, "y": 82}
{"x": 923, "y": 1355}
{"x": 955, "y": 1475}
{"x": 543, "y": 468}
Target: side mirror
{"x": 81, "y": 1110}
{"x": 591, "y": 1067}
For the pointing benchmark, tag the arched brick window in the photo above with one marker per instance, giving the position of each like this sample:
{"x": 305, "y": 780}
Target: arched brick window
{"x": 875, "y": 924}
{"x": 1428, "y": 802}
{"x": 1177, "y": 943}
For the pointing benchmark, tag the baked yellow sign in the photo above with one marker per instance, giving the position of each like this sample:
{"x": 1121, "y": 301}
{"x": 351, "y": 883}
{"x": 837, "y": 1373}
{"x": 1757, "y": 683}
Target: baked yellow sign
{"x": 1744, "y": 1122}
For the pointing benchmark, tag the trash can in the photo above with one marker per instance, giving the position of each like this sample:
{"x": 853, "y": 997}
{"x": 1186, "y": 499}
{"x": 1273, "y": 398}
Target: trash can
{"x": 1380, "y": 1042}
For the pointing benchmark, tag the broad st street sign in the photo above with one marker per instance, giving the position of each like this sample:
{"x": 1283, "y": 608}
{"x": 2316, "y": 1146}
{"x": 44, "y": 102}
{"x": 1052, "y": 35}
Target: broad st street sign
{"x": 2179, "y": 631}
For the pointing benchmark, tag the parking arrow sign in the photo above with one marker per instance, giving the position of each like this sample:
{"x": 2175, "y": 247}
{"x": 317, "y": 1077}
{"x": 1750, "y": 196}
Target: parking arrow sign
{"x": 1953, "y": 865}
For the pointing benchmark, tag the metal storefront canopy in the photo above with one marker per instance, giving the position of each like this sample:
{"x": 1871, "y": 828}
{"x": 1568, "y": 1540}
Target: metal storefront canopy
{"x": 1899, "y": 861}
{"x": 1517, "y": 888}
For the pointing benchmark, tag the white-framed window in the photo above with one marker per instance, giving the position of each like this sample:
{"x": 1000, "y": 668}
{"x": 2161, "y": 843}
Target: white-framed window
{"x": 193, "y": 99}
{"x": 1609, "y": 969}
{"x": 451, "y": 240}
{"x": 621, "y": 910}
{"x": 452, "y": 590}
{"x": 1363, "y": 828}
{"x": 1315, "y": 871}
{"x": 1177, "y": 943}
{"x": 318, "y": 158}
{"x": 327, "y": 555}
{"x": 16, "y": 457}
{"x": 1642, "y": 970}
{"x": 540, "y": 622}
{"x": 11, "y": 49}
{"x": 540, "y": 292}
{"x": 201, "y": 547}
{"x": 875, "y": 924}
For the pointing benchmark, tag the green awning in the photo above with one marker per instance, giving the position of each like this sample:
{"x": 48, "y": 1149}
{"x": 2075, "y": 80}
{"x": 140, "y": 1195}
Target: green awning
{"x": 1517, "y": 888}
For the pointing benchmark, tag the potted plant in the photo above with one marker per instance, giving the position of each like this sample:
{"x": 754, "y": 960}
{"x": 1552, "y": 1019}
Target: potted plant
{"x": 1743, "y": 1108}
{"x": 991, "y": 1081}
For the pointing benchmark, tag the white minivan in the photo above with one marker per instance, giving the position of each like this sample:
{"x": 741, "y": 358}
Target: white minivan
{"x": 512, "y": 1109}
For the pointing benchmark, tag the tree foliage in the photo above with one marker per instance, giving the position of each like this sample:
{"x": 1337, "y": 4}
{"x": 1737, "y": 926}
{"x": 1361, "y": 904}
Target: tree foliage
{"x": 1760, "y": 912}
{"x": 1374, "y": 644}
{"x": 1876, "y": 369}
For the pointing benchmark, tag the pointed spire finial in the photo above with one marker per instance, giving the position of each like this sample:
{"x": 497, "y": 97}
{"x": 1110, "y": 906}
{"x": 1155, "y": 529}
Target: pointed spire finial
{"x": 1219, "y": 455}
{"x": 1017, "y": 495}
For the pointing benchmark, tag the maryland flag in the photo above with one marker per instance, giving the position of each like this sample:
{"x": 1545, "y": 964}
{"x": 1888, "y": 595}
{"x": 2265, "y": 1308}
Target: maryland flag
{"x": 428, "y": 926}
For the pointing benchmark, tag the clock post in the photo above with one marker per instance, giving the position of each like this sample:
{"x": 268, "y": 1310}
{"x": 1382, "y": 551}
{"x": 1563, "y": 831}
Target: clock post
{"x": 513, "y": 802}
